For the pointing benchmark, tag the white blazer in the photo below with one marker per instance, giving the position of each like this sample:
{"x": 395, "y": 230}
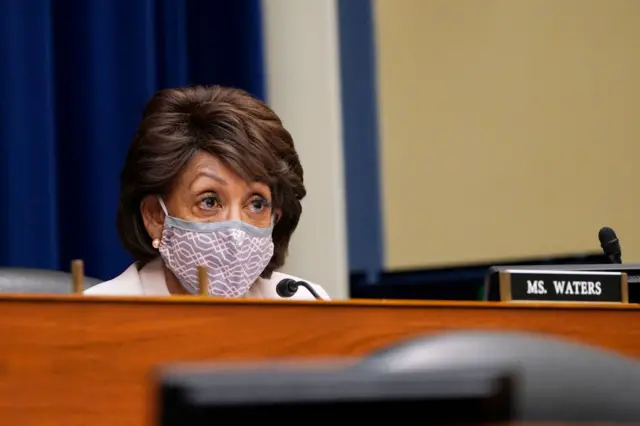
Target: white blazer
{"x": 150, "y": 281}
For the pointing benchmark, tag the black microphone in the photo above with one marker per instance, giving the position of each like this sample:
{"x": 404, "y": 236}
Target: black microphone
{"x": 288, "y": 287}
{"x": 610, "y": 244}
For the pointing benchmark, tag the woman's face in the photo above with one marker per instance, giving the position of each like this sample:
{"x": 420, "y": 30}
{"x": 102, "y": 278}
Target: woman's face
{"x": 210, "y": 191}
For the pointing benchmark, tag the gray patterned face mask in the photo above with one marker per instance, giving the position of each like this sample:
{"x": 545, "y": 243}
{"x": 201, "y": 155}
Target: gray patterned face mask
{"x": 234, "y": 252}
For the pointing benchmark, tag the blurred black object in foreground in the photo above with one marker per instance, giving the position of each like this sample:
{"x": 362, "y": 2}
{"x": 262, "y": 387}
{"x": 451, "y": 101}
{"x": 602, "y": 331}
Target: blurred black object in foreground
{"x": 290, "y": 393}
{"x": 555, "y": 380}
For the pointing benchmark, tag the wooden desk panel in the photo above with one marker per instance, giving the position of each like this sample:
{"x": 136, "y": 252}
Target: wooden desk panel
{"x": 73, "y": 360}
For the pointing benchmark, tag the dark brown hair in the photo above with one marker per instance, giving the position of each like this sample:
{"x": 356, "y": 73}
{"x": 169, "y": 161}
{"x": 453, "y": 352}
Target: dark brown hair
{"x": 231, "y": 125}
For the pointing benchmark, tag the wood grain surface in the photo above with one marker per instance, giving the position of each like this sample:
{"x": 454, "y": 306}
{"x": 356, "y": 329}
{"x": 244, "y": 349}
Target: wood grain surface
{"x": 79, "y": 360}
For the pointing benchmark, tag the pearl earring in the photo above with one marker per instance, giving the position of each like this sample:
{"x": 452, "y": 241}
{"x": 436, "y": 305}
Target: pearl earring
{"x": 155, "y": 243}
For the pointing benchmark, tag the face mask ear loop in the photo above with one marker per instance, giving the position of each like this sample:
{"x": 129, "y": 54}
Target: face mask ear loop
{"x": 164, "y": 208}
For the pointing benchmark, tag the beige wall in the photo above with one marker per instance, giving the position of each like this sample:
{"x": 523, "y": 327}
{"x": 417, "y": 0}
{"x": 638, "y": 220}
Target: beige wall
{"x": 303, "y": 87}
{"x": 510, "y": 128}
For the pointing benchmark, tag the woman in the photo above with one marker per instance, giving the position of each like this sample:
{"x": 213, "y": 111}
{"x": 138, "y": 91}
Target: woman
{"x": 211, "y": 178}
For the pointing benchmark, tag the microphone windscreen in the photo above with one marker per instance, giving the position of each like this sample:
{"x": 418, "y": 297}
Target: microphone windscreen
{"x": 608, "y": 239}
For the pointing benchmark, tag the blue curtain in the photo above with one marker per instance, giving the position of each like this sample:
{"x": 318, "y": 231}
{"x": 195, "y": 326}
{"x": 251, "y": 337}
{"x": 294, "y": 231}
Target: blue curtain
{"x": 74, "y": 77}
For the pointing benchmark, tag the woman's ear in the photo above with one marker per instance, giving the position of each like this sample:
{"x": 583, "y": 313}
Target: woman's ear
{"x": 152, "y": 216}
{"x": 277, "y": 215}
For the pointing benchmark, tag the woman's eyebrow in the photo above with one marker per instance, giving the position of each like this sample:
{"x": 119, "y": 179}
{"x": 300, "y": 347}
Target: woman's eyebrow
{"x": 210, "y": 175}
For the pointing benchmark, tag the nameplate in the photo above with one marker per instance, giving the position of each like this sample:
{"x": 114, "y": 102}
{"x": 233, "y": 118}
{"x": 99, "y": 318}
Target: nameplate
{"x": 563, "y": 286}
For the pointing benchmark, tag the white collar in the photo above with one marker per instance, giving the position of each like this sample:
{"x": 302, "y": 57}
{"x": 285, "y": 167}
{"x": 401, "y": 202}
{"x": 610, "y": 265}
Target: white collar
{"x": 152, "y": 279}
{"x": 154, "y": 282}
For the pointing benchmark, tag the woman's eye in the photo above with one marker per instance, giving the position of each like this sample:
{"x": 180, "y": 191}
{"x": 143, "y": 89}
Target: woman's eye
{"x": 210, "y": 203}
{"x": 259, "y": 204}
